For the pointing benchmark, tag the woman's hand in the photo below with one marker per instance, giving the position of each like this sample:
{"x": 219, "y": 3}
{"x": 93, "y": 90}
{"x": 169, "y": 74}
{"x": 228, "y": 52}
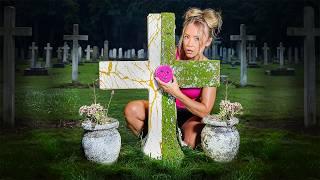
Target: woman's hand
{"x": 171, "y": 88}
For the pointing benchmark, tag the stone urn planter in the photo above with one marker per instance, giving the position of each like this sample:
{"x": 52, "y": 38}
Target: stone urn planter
{"x": 101, "y": 143}
{"x": 220, "y": 139}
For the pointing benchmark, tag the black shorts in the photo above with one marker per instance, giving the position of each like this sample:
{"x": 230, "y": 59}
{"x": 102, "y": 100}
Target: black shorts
{"x": 182, "y": 116}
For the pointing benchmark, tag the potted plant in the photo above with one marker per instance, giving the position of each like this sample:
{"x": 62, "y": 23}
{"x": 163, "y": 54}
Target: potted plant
{"x": 220, "y": 138}
{"x": 101, "y": 141}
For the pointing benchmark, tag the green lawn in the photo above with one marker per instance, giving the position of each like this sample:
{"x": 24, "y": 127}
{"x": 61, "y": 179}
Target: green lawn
{"x": 272, "y": 150}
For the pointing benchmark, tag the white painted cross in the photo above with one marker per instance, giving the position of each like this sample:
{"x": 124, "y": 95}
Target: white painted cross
{"x": 309, "y": 32}
{"x": 88, "y": 51}
{"x": 281, "y": 50}
{"x": 33, "y": 49}
{"x": 75, "y": 37}
{"x": 265, "y": 53}
{"x": 161, "y": 142}
{"x": 65, "y": 49}
{"x": 48, "y": 55}
{"x": 8, "y": 31}
{"x": 243, "y": 38}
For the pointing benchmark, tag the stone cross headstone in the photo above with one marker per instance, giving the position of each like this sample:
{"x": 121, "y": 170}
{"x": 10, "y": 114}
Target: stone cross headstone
{"x": 281, "y": 50}
{"x": 101, "y": 52}
{"x": 110, "y": 54}
{"x": 79, "y": 54}
{"x": 141, "y": 54}
{"x": 161, "y": 141}
{"x": 48, "y": 55}
{"x": 133, "y": 53}
{"x": 243, "y": 37}
{"x": 249, "y": 52}
{"x": 120, "y": 53}
{"x": 229, "y": 55}
{"x": 65, "y": 49}
{"x": 59, "y": 56}
{"x": 296, "y": 55}
{"x": 88, "y": 51}
{"x": 309, "y": 32}
{"x": 75, "y": 37}
{"x": 254, "y": 53}
{"x": 114, "y": 53}
{"x": 265, "y": 53}
{"x": 105, "y": 50}
{"x": 224, "y": 54}
{"x": 33, "y": 49}
{"x": 95, "y": 53}
{"x": 214, "y": 51}
{"x": 9, "y": 31}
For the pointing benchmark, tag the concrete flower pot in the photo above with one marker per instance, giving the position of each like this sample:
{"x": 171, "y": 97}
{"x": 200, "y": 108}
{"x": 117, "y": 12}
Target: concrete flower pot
{"x": 220, "y": 139}
{"x": 101, "y": 143}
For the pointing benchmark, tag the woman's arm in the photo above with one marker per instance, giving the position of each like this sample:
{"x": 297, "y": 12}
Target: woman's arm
{"x": 201, "y": 108}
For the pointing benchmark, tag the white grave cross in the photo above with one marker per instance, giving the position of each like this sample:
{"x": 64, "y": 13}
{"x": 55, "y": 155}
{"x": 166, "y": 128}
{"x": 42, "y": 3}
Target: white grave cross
{"x": 243, "y": 38}
{"x": 48, "y": 55}
{"x": 75, "y": 55}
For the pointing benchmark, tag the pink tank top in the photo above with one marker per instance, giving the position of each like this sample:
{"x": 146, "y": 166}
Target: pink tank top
{"x": 192, "y": 93}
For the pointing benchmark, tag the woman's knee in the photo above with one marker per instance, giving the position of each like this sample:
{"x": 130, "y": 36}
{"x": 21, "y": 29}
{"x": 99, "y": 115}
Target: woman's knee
{"x": 135, "y": 109}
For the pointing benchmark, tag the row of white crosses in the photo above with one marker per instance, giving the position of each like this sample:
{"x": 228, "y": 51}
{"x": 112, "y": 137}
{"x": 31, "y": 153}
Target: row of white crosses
{"x": 128, "y": 54}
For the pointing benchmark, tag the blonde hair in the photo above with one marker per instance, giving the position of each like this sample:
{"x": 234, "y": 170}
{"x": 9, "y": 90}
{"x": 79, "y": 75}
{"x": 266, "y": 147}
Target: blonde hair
{"x": 209, "y": 19}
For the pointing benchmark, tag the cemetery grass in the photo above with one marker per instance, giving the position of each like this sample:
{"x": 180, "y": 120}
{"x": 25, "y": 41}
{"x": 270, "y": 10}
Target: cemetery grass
{"x": 45, "y": 146}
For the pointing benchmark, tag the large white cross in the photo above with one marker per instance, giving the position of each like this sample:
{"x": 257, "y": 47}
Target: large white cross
{"x": 161, "y": 141}
{"x": 8, "y": 31}
{"x": 243, "y": 37}
{"x": 75, "y": 54}
{"x": 309, "y": 32}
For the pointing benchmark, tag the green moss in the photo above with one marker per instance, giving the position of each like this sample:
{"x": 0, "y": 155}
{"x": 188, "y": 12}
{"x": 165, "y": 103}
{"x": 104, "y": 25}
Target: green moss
{"x": 197, "y": 74}
{"x": 171, "y": 151}
{"x": 189, "y": 74}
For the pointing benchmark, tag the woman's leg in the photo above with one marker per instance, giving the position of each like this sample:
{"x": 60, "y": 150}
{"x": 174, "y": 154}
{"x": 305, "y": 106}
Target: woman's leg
{"x": 136, "y": 112}
{"x": 192, "y": 131}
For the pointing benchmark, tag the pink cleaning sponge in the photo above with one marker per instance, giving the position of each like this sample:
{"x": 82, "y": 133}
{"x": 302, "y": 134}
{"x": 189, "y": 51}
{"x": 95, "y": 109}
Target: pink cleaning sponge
{"x": 164, "y": 73}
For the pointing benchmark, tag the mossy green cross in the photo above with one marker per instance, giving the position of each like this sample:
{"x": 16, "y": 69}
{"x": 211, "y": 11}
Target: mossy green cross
{"x": 161, "y": 142}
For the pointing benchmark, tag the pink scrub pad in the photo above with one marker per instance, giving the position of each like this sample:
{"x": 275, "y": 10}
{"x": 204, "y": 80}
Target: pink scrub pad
{"x": 164, "y": 73}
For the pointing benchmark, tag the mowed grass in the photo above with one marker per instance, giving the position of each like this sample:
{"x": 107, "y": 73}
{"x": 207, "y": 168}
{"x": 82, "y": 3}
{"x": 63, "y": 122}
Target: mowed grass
{"x": 45, "y": 152}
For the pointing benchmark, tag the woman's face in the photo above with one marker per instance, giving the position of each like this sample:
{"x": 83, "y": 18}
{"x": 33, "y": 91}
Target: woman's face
{"x": 194, "y": 41}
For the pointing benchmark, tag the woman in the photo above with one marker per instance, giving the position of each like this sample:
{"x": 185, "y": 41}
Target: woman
{"x": 199, "y": 29}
